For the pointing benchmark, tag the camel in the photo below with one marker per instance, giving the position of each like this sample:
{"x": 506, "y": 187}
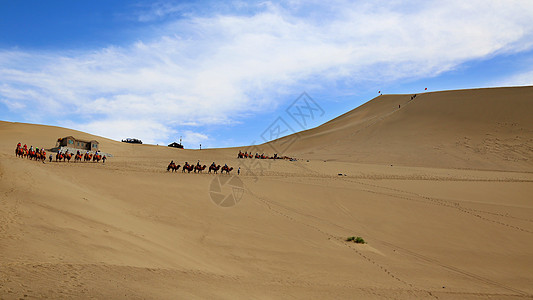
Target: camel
{"x": 41, "y": 155}
{"x": 20, "y": 152}
{"x": 97, "y": 158}
{"x": 199, "y": 168}
{"x": 187, "y": 168}
{"x": 87, "y": 157}
{"x": 173, "y": 167}
{"x": 77, "y": 157}
{"x": 31, "y": 154}
{"x": 227, "y": 169}
{"x": 214, "y": 169}
{"x": 59, "y": 156}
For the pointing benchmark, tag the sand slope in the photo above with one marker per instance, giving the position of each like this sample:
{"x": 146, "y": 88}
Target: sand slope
{"x": 128, "y": 229}
{"x": 478, "y": 129}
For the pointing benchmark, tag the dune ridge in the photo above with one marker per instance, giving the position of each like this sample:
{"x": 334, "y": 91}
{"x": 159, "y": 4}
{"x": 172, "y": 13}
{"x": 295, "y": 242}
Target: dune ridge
{"x": 487, "y": 128}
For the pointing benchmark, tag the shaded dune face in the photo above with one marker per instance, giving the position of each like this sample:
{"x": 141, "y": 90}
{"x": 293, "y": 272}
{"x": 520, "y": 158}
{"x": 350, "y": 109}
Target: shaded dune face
{"x": 439, "y": 189}
{"x": 477, "y": 129}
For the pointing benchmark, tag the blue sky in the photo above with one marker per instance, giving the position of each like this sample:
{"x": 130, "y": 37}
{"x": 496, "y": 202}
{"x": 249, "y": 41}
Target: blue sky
{"x": 221, "y": 74}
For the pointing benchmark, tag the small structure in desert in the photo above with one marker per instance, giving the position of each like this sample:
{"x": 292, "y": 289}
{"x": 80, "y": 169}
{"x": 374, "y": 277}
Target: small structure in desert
{"x": 176, "y": 145}
{"x": 72, "y": 142}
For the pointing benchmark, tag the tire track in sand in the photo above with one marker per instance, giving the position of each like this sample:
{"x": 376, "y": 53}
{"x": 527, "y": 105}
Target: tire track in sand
{"x": 444, "y": 203}
{"x": 338, "y": 240}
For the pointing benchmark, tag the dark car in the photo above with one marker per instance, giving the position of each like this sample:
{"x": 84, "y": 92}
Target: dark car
{"x": 132, "y": 141}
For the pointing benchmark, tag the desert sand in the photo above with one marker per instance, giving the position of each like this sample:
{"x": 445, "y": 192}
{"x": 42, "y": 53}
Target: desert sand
{"x": 440, "y": 189}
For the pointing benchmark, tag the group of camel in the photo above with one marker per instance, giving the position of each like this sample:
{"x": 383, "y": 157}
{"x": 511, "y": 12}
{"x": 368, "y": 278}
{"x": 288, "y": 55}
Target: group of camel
{"x": 24, "y": 152}
{"x": 198, "y": 168}
{"x": 261, "y": 156}
{"x": 40, "y": 155}
{"x": 87, "y": 157}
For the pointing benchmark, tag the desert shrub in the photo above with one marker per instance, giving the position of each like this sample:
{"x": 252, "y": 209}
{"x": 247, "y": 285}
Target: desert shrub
{"x": 357, "y": 240}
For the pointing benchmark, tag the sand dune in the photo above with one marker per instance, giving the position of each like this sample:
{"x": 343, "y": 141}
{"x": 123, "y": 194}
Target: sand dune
{"x": 477, "y": 129}
{"x": 451, "y": 219}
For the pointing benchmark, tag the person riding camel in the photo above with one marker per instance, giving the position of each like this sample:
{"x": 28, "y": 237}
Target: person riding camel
{"x": 25, "y": 147}
{"x": 18, "y": 145}
{"x": 198, "y": 163}
{"x": 213, "y": 164}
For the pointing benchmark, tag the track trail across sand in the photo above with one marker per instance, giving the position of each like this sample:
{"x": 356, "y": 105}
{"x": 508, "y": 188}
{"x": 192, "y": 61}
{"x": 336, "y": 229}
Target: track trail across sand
{"x": 318, "y": 225}
{"x": 291, "y": 215}
{"x": 370, "y": 122}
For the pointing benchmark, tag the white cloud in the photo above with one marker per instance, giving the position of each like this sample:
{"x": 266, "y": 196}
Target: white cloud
{"x": 212, "y": 69}
{"x": 194, "y": 139}
{"x": 521, "y": 79}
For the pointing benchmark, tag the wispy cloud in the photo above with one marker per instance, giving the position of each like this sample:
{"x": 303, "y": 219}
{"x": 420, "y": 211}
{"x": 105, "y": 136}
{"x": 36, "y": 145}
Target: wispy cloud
{"x": 521, "y": 79}
{"x": 214, "y": 68}
{"x": 194, "y": 138}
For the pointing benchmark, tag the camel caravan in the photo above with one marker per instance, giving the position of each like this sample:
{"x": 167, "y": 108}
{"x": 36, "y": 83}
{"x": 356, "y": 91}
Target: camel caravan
{"x": 40, "y": 155}
{"x": 79, "y": 157}
{"x": 198, "y": 168}
{"x": 31, "y": 153}
{"x": 262, "y": 156}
